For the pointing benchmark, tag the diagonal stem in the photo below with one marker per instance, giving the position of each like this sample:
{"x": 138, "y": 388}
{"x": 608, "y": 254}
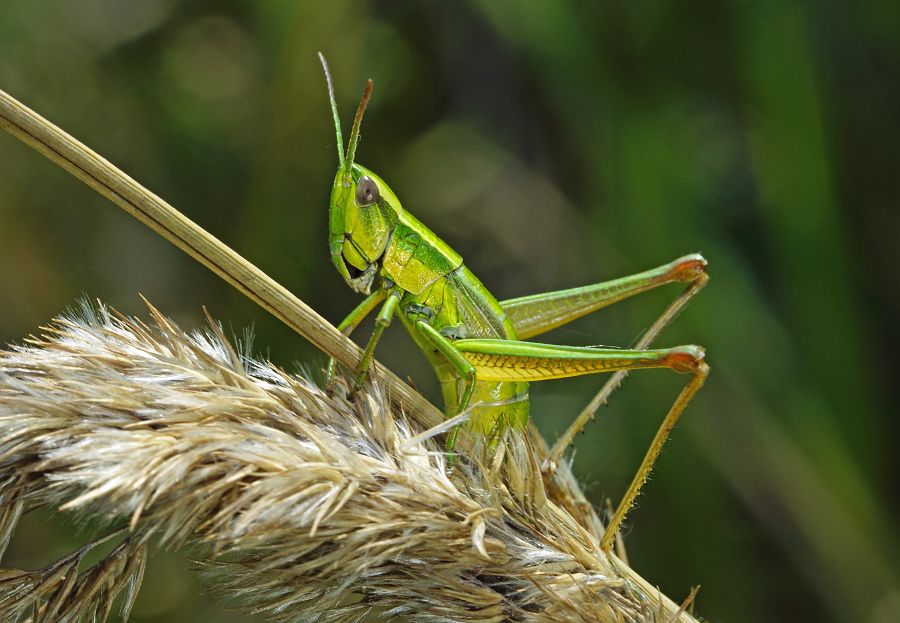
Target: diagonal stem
{"x": 125, "y": 192}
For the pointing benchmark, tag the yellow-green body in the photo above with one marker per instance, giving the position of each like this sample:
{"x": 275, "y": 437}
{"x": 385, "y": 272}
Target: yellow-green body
{"x": 464, "y": 309}
{"x": 437, "y": 288}
{"x": 474, "y": 342}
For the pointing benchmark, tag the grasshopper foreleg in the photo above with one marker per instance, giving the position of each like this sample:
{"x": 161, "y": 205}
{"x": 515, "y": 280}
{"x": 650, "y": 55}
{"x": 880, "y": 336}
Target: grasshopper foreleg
{"x": 382, "y": 322}
{"x": 349, "y": 324}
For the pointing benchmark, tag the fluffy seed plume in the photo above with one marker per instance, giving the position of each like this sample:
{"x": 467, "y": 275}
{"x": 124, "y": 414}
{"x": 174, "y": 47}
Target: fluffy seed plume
{"x": 311, "y": 507}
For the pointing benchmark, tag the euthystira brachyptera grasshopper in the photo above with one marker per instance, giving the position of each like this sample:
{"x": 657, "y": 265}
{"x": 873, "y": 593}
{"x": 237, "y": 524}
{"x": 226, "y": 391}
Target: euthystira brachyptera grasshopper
{"x": 474, "y": 342}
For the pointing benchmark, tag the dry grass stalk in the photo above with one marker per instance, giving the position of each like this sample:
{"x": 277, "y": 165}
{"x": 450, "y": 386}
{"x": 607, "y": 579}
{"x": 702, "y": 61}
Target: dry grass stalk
{"x": 310, "y": 507}
{"x": 151, "y": 210}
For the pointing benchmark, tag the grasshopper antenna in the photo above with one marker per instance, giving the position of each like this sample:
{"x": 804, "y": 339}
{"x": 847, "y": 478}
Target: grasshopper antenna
{"x": 357, "y": 121}
{"x": 334, "y": 111}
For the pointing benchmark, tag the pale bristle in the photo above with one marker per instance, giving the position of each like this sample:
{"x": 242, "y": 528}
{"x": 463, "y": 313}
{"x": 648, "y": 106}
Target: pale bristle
{"x": 312, "y": 507}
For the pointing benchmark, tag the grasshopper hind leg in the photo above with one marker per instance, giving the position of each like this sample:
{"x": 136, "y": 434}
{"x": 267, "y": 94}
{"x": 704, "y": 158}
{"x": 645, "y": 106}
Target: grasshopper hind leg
{"x": 662, "y": 434}
{"x": 691, "y": 269}
{"x": 528, "y": 361}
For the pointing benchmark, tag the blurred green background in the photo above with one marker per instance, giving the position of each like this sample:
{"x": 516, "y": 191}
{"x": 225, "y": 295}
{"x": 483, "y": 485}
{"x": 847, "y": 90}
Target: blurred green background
{"x": 553, "y": 144}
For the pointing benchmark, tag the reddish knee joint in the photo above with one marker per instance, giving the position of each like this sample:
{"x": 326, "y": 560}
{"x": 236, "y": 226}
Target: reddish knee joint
{"x": 688, "y": 268}
{"x": 685, "y": 358}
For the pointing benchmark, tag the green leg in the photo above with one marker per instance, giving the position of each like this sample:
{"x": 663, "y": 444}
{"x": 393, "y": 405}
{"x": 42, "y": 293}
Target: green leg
{"x": 602, "y": 396}
{"x": 382, "y": 322}
{"x": 643, "y": 471}
{"x": 525, "y": 361}
{"x": 349, "y": 324}
{"x": 539, "y": 313}
{"x": 536, "y": 314}
{"x": 465, "y": 369}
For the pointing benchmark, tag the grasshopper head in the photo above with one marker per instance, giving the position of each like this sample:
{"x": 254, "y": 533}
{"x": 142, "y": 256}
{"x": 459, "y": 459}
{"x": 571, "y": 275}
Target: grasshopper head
{"x": 361, "y": 219}
{"x": 363, "y": 209}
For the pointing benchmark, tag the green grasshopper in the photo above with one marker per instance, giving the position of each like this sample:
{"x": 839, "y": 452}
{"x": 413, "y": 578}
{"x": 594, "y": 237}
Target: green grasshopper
{"x": 474, "y": 342}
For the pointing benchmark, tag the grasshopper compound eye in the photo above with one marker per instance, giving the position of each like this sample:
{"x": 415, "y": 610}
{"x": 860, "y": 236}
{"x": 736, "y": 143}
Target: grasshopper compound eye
{"x": 366, "y": 191}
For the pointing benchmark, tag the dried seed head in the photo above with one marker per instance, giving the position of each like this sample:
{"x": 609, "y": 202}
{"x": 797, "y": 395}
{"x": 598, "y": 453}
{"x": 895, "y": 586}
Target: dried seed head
{"x": 312, "y": 507}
